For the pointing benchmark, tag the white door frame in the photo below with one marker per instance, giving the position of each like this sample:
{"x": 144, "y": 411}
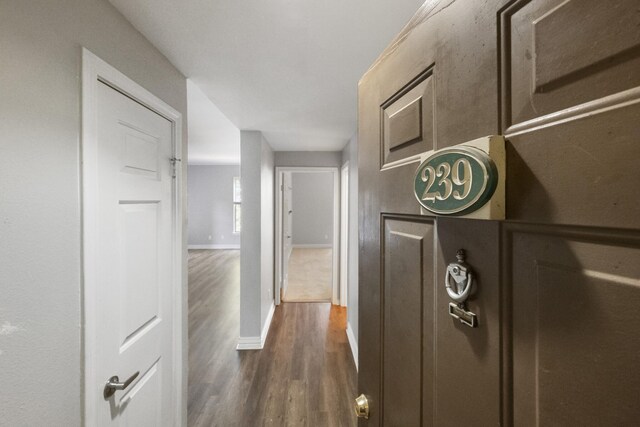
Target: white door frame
{"x": 344, "y": 233}
{"x": 94, "y": 71}
{"x": 335, "y": 295}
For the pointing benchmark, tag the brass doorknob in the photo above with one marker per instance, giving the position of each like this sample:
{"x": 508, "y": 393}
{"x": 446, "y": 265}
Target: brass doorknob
{"x": 362, "y": 407}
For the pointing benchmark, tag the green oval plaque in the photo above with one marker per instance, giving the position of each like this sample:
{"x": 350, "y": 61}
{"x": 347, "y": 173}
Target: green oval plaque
{"x": 455, "y": 181}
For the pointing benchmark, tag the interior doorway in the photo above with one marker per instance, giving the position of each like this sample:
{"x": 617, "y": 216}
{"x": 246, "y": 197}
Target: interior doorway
{"x": 132, "y": 252}
{"x": 307, "y": 235}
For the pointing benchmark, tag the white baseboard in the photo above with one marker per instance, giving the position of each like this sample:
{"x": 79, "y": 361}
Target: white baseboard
{"x": 267, "y": 323}
{"x": 217, "y": 246}
{"x": 353, "y": 344}
{"x": 257, "y": 343}
{"x": 249, "y": 343}
{"x": 313, "y": 246}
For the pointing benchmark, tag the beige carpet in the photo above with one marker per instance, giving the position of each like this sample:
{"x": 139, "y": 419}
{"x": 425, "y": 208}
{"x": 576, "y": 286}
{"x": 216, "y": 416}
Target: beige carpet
{"x": 309, "y": 275}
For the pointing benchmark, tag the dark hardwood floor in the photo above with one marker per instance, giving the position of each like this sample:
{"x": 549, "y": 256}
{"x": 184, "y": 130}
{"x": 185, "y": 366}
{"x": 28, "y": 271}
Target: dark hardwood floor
{"x": 305, "y": 375}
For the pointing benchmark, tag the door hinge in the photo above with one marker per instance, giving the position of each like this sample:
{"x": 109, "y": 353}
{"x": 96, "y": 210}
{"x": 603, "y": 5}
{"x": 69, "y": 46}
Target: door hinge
{"x": 174, "y": 161}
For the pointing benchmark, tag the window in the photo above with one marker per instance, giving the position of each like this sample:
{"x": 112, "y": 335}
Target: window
{"x": 237, "y": 199}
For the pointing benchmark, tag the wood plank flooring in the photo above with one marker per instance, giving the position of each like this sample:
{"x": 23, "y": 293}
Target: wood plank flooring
{"x": 305, "y": 375}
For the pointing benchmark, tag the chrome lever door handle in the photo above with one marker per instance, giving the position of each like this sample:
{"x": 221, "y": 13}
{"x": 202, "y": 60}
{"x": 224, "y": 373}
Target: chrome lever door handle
{"x": 114, "y": 384}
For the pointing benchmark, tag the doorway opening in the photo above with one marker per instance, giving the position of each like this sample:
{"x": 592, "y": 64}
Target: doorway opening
{"x": 307, "y": 234}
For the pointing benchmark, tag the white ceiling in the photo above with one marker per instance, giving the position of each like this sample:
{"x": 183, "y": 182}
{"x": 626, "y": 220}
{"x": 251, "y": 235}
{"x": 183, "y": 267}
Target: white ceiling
{"x": 213, "y": 139}
{"x": 288, "y": 68}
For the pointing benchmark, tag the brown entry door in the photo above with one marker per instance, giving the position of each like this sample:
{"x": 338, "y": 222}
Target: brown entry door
{"x": 558, "y": 282}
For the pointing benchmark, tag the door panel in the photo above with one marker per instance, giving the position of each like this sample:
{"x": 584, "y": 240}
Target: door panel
{"x": 560, "y": 54}
{"x": 571, "y": 108}
{"x": 134, "y": 253}
{"x": 408, "y": 300}
{"x": 138, "y": 406}
{"x": 468, "y": 359}
{"x": 139, "y": 266}
{"x": 407, "y": 120}
{"x": 582, "y": 172}
{"x": 574, "y": 322}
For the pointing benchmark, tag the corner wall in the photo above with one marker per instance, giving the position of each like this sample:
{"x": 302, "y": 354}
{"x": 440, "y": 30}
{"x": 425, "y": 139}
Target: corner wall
{"x": 40, "y": 206}
{"x": 257, "y": 239}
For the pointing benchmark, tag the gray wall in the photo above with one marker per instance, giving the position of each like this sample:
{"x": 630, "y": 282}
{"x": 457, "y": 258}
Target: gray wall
{"x": 267, "y": 221}
{"x": 40, "y": 228}
{"x": 256, "y": 253}
{"x": 308, "y": 158}
{"x": 312, "y": 205}
{"x": 350, "y": 154}
{"x": 211, "y": 205}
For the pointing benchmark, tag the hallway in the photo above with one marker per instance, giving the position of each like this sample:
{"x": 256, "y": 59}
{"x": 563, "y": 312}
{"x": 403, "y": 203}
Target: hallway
{"x": 310, "y": 272}
{"x": 305, "y": 375}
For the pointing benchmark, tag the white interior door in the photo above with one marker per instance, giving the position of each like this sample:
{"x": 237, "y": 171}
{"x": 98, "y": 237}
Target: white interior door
{"x": 287, "y": 227}
{"x": 134, "y": 265}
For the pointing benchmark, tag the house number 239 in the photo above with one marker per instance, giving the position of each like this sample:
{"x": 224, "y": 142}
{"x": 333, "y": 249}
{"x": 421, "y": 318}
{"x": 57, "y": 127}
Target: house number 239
{"x": 455, "y": 181}
{"x": 447, "y": 175}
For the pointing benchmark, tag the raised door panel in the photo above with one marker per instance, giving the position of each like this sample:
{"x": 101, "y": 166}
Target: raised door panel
{"x": 559, "y": 54}
{"x": 581, "y": 172}
{"x": 571, "y": 101}
{"x": 138, "y": 252}
{"x": 574, "y": 317}
{"x": 407, "y": 323}
{"x": 407, "y": 120}
{"x": 467, "y": 366}
{"x": 138, "y": 406}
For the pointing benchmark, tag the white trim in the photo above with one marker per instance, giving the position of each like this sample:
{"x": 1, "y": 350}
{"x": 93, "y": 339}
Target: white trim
{"x": 257, "y": 343}
{"x": 96, "y": 70}
{"x": 416, "y": 158}
{"x": 212, "y": 163}
{"x": 278, "y": 235}
{"x": 335, "y": 297}
{"x": 601, "y": 105}
{"x": 344, "y": 234}
{"x": 313, "y": 246}
{"x": 353, "y": 344}
{"x": 267, "y": 323}
{"x": 249, "y": 343}
{"x": 336, "y": 237}
{"x": 214, "y": 246}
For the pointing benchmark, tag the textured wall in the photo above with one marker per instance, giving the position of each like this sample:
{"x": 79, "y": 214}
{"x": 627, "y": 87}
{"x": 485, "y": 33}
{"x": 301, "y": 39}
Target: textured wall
{"x": 211, "y": 205}
{"x": 40, "y": 222}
